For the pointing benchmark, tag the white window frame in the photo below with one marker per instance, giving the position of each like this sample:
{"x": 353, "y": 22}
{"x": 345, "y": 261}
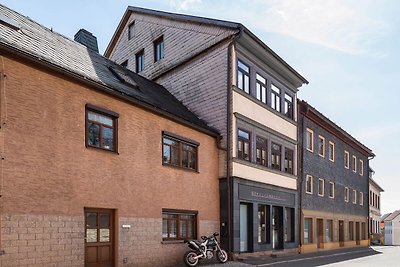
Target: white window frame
{"x": 361, "y": 168}
{"x": 361, "y": 198}
{"x": 332, "y": 186}
{"x": 354, "y": 196}
{"x": 354, "y": 159}
{"x": 311, "y": 141}
{"x": 323, "y": 146}
{"x": 323, "y": 187}
{"x": 347, "y": 156}
{"x": 311, "y": 178}
{"x": 333, "y": 151}
{"x": 346, "y": 194}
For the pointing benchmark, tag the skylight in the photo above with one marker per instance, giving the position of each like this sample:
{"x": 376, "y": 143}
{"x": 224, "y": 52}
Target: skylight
{"x": 6, "y": 21}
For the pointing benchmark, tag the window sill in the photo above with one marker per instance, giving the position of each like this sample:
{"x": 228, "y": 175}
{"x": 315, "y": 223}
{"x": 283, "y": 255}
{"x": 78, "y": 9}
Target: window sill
{"x": 262, "y": 167}
{"x": 166, "y": 242}
{"x": 180, "y": 168}
{"x": 102, "y": 149}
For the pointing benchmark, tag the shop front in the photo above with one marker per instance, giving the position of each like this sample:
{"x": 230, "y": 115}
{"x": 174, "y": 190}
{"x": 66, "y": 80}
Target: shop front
{"x": 265, "y": 217}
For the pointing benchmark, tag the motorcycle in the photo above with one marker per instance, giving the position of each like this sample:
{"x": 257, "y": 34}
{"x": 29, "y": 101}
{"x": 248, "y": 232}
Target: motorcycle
{"x": 206, "y": 249}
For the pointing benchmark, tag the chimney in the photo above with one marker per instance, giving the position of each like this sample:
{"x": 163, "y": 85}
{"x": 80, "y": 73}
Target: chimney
{"x": 87, "y": 39}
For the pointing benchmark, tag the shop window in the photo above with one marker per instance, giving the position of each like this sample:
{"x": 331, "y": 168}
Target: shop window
{"x": 308, "y": 230}
{"x": 243, "y": 77}
{"x": 264, "y": 228}
{"x": 244, "y": 145}
{"x": 261, "y": 151}
{"x": 329, "y": 231}
{"x": 178, "y": 152}
{"x": 289, "y": 230}
{"x": 275, "y": 156}
{"x": 288, "y": 160}
{"x": 101, "y": 128}
{"x": 179, "y": 225}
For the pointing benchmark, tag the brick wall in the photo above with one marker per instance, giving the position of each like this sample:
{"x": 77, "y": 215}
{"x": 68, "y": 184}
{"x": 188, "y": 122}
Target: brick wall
{"x": 49, "y": 176}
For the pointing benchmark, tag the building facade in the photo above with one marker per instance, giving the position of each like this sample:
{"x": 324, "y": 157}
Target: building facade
{"x": 333, "y": 184}
{"x": 392, "y": 229}
{"x": 100, "y": 167}
{"x": 375, "y": 210}
{"x": 238, "y": 85}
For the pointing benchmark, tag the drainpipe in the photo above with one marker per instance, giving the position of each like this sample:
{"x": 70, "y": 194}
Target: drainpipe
{"x": 229, "y": 181}
{"x": 369, "y": 217}
{"x": 300, "y": 171}
{"x": 3, "y": 117}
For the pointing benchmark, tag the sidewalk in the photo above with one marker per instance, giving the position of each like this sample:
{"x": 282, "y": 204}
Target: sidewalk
{"x": 268, "y": 260}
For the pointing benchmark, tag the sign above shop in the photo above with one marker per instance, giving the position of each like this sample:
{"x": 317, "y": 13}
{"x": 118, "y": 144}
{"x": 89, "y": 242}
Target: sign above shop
{"x": 265, "y": 195}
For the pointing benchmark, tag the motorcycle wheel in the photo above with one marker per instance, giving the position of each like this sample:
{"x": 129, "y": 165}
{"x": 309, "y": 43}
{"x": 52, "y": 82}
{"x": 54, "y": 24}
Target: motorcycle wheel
{"x": 222, "y": 256}
{"x": 189, "y": 259}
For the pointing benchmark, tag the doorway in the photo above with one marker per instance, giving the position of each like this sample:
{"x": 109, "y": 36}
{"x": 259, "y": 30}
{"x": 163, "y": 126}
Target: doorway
{"x": 99, "y": 238}
{"x": 320, "y": 232}
{"x": 357, "y": 233}
{"x": 277, "y": 227}
{"x": 341, "y": 233}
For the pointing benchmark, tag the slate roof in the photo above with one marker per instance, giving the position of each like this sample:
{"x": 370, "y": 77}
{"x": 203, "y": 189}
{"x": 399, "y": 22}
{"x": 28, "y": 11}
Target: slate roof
{"x": 392, "y": 216}
{"x": 44, "y": 45}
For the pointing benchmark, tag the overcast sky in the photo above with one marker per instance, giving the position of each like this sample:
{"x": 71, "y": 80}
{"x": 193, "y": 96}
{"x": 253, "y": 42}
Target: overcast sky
{"x": 348, "y": 50}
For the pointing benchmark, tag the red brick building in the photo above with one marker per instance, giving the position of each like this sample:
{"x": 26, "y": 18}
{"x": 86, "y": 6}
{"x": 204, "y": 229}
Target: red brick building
{"x": 99, "y": 166}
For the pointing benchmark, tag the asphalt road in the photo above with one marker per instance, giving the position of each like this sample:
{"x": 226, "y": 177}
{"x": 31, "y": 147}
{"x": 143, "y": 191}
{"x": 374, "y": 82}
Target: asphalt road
{"x": 374, "y": 256}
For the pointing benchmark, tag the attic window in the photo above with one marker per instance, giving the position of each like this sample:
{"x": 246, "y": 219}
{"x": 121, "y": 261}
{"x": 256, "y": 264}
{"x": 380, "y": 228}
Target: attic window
{"x": 124, "y": 77}
{"x": 6, "y": 21}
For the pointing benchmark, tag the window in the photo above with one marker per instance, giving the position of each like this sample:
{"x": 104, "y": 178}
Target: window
{"x": 351, "y": 230}
{"x": 288, "y": 160}
{"x": 321, "y": 146}
{"x": 264, "y": 224}
{"x": 244, "y": 144}
{"x": 370, "y": 198}
{"x": 331, "y": 151}
{"x": 346, "y": 159}
{"x": 275, "y": 156}
{"x": 275, "y": 98}
{"x": 140, "y": 61}
{"x": 321, "y": 185}
{"x": 288, "y": 106}
{"x": 363, "y": 231}
{"x": 101, "y": 128}
{"x": 329, "y": 231}
{"x": 179, "y": 152}
{"x": 179, "y": 225}
{"x": 361, "y": 168}
{"x": 309, "y": 184}
{"x": 354, "y": 196}
{"x": 243, "y": 78}
{"x": 124, "y": 64}
{"x": 308, "y": 229}
{"x": 289, "y": 227}
{"x": 131, "y": 30}
{"x": 354, "y": 164}
{"x": 361, "y": 198}
{"x": 261, "y": 88}
{"x": 159, "y": 49}
{"x": 378, "y": 206}
{"x": 331, "y": 189}
{"x": 346, "y": 194}
{"x": 261, "y": 151}
{"x": 310, "y": 140}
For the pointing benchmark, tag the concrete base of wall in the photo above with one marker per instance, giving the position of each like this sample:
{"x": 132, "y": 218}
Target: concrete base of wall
{"x": 307, "y": 248}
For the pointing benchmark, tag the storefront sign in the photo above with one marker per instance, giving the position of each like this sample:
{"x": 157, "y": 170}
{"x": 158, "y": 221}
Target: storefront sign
{"x": 265, "y": 195}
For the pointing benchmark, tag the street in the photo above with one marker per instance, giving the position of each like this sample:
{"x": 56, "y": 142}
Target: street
{"x": 372, "y": 256}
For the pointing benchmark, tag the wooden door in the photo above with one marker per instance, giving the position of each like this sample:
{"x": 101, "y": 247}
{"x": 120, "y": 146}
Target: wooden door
{"x": 99, "y": 238}
{"x": 341, "y": 233}
{"x": 320, "y": 232}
